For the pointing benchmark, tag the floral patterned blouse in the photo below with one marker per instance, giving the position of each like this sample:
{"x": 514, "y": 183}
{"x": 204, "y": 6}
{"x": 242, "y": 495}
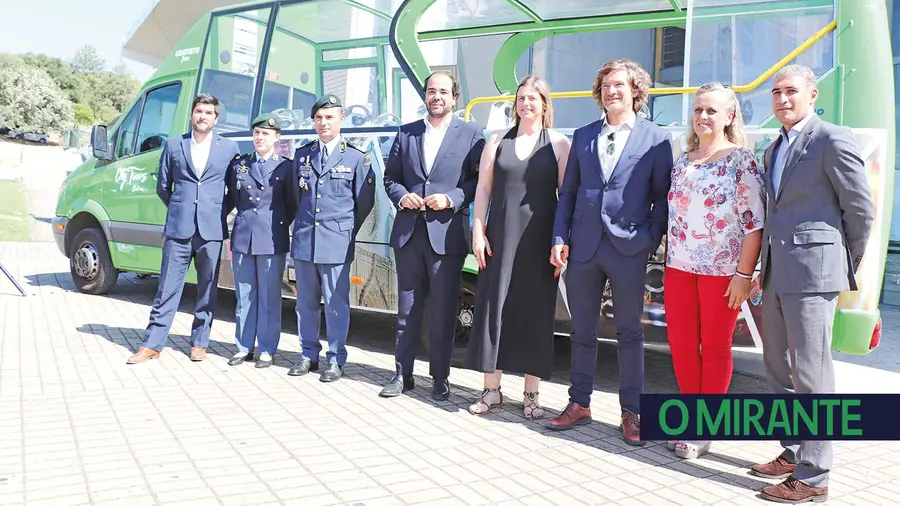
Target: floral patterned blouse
{"x": 711, "y": 207}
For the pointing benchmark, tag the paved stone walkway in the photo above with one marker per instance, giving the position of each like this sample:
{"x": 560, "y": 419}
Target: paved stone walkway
{"x": 78, "y": 426}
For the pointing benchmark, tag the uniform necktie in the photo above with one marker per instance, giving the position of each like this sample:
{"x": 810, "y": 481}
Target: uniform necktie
{"x": 324, "y": 154}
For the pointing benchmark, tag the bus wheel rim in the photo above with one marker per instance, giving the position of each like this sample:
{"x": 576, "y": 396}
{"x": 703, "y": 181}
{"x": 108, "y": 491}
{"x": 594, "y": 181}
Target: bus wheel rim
{"x": 86, "y": 261}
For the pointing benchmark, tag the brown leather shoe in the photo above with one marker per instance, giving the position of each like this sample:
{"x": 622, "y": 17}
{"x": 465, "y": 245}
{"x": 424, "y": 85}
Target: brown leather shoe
{"x": 631, "y": 428}
{"x": 793, "y": 491}
{"x": 575, "y": 414}
{"x": 198, "y": 354}
{"x": 143, "y": 355}
{"x": 777, "y": 469}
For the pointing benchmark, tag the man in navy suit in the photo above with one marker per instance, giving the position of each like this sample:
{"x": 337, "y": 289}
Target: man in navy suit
{"x": 260, "y": 187}
{"x": 191, "y": 183}
{"x": 611, "y": 217}
{"x": 431, "y": 176}
{"x": 334, "y": 191}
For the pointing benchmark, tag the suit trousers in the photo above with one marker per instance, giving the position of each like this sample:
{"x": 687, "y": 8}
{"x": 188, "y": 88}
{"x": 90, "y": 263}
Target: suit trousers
{"x": 330, "y": 282}
{"x": 257, "y": 286}
{"x": 700, "y": 326}
{"x": 585, "y": 282}
{"x": 424, "y": 276}
{"x": 797, "y": 354}
{"x": 176, "y": 258}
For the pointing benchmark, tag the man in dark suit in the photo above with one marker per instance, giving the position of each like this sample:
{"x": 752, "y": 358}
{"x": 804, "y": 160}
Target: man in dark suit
{"x": 191, "y": 183}
{"x": 431, "y": 176}
{"x": 611, "y": 217}
{"x": 818, "y": 219}
{"x": 334, "y": 191}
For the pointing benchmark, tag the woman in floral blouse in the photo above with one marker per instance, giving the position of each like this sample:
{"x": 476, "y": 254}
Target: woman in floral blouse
{"x": 716, "y": 213}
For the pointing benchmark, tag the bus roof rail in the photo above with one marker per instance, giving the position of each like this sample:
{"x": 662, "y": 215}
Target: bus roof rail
{"x": 752, "y": 85}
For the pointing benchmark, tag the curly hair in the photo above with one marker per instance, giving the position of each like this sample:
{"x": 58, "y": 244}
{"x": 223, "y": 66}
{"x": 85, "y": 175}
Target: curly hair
{"x": 638, "y": 78}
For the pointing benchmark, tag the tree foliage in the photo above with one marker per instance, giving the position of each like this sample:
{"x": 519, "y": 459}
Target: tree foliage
{"x": 93, "y": 92}
{"x": 30, "y": 100}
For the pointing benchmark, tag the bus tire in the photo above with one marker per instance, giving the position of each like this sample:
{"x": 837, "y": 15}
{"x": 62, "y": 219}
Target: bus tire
{"x": 90, "y": 262}
{"x": 465, "y": 308}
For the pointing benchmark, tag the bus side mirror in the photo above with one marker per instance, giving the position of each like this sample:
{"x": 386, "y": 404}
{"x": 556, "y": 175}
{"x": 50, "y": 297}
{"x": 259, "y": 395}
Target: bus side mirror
{"x": 99, "y": 143}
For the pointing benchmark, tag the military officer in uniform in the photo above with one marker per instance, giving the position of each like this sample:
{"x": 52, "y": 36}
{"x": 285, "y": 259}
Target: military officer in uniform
{"x": 335, "y": 191}
{"x": 260, "y": 186}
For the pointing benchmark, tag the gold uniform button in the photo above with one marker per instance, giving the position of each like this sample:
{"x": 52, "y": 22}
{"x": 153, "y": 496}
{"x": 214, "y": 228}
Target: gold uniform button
{"x": 262, "y": 187}
{"x": 317, "y": 223}
{"x": 251, "y": 199}
{"x": 257, "y": 199}
{"x": 254, "y": 209}
{"x": 196, "y": 201}
{"x": 318, "y": 195}
{"x": 318, "y": 210}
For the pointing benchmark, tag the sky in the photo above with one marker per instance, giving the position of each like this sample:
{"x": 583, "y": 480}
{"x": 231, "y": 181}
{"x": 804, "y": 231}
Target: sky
{"x": 58, "y": 27}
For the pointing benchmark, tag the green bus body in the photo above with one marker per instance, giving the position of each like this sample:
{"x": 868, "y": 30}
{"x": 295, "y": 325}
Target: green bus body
{"x": 278, "y": 56}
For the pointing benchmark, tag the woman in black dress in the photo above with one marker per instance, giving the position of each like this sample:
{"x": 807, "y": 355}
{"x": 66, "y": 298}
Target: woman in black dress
{"x": 520, "y": 171}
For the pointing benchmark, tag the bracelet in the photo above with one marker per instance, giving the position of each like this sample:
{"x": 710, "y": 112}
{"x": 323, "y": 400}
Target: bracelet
{"x": 742, "y": 275}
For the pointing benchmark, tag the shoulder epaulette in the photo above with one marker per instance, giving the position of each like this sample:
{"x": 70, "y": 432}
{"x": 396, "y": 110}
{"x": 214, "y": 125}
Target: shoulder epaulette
{"x": 350, "y": 144}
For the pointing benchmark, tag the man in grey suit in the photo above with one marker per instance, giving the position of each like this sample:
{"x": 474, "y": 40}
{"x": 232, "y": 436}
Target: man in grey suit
{"x": 191, "y": 184}
{"x": 818, "y": 218}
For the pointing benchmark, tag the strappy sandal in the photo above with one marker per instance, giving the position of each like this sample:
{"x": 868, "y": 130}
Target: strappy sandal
{"x": 490, "y": 397}
{"x": 533, "y": 409}
{"x": 692, "y": 449}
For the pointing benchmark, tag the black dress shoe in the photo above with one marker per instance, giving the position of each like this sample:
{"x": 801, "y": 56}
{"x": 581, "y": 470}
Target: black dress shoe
{"x": 302, "y": 367}
{"x": 441, "y": 390}
{"x": 332, "y": 372}
{"x": 238, "y": 359}
{"x": 398, "y": 385}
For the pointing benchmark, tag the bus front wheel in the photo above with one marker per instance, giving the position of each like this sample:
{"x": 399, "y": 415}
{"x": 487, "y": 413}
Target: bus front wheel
{"x": 90, "y": 262}
{"x": 465, "y": 314}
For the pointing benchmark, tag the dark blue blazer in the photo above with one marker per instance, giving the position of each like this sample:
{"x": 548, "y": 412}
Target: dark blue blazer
{"x": 332, "y": 202}
{"x": 631, "y": 207}
{"x": 265, "y": 205}
{"x": 455, "y": 173}
{"x": 195, "y": 204}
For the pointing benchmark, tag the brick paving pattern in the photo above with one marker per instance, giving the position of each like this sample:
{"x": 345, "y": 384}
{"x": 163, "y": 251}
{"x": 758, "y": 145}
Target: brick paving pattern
{"x": 79, "y": 426}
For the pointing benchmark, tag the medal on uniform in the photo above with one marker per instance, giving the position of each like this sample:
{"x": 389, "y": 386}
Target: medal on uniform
{"x": 306, "y": 164}
{"x": 303, "y": 184}
{"x": 242, "y": 168}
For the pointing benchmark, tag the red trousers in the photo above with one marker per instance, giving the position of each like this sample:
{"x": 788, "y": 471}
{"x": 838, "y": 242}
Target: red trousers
{"x": 700, "y": 325}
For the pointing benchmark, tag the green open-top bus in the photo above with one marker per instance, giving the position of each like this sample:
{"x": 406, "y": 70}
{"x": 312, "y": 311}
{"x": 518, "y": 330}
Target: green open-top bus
{"x": 277, "y": 56}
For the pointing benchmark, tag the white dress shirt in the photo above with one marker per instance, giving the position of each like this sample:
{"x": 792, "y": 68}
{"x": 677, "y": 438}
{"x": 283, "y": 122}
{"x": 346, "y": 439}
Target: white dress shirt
{"x": 608, "y": 161}
{"x": 200, "y": 152}
{"x": 787, "y": 140}
{"x": 328, "y": 148}
{"x": 434, "y": 136}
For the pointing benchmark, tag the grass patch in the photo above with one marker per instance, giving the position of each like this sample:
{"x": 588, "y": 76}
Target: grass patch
{"x": 14, "y": 226}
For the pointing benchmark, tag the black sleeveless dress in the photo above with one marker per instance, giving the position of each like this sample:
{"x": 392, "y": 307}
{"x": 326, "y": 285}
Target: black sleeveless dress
{"x": 515, "y": 302}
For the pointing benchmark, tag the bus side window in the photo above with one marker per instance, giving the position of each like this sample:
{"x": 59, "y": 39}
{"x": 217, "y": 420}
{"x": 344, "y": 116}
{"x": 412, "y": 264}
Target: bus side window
{"x": 156, "y": 121}
{"x": 126, "y": 134}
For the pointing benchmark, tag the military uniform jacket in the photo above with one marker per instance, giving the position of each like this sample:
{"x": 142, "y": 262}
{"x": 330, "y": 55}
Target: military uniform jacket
{"x": 332, "y": 202}
{"x": 265, "y": 205}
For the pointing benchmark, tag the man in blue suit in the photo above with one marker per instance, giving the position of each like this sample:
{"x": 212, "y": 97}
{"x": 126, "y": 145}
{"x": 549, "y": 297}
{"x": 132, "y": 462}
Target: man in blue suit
{"x": 334, "y": 188}
{"x": 191, "y": 183}
{"x": 431, "y": 176}
{"x": 260, "y": 185}
{"x": 611, "y": 217}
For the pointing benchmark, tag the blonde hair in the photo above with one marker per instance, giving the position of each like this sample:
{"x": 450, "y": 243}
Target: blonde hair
{"x": 543, "y": 88}
{"x": 733, "y": 132}
{"x": 638, "y": 78}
